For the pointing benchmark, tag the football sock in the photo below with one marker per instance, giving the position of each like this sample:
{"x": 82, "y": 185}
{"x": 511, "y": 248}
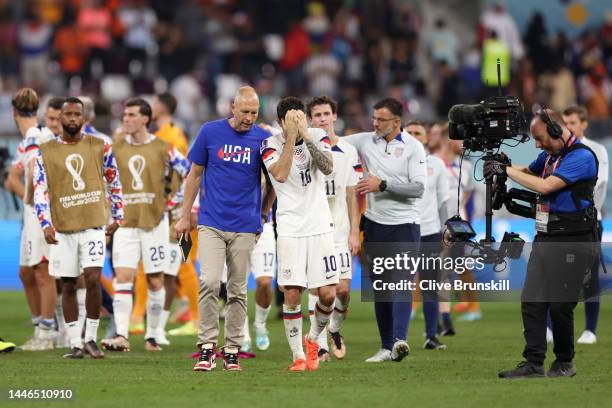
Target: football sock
{"x": 122, "y": 304}
{"x": 292, "y": 318}
{"x": 91, "y": 329}
{"x": 155, "y": 303}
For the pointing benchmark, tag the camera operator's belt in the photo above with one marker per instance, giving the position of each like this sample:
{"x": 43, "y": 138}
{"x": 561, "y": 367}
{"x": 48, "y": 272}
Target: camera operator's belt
{"x": 579, "y": 222}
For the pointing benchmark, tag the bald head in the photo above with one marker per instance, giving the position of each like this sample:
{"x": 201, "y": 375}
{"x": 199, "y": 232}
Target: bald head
{"x": 245, "y": 93}
{"x": 245, "y": 109}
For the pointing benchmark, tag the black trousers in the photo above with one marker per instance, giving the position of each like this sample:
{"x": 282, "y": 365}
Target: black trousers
{"x": 555, "y": 277}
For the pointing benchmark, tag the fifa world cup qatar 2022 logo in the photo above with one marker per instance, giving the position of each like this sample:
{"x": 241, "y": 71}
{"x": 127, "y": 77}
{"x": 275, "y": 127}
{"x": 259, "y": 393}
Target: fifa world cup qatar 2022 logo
{"x": 74, "y": 164}
{"x": 136, "y": 165}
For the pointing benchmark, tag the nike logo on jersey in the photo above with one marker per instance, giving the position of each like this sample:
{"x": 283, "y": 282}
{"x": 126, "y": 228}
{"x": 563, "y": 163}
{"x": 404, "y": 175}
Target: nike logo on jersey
{"x": 234, "y": 153}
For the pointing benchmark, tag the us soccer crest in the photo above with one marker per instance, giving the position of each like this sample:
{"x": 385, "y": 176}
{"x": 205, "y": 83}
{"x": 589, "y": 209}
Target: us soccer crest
{"x": 398, "y": 151}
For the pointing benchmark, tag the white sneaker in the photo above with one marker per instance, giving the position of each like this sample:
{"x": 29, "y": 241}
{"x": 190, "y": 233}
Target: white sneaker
{"x": 162, "y": 340}
{"x": 549, "y": 335}
{"x": 29, "y": 344}
{"x": 380, "y": 356}
{"x": 62, "y": 340}
{"x": 246, "y": 345}
{"x": 38, "y": 344}
{"x": 400, "y": 350}
{"x": 587, "y": 337}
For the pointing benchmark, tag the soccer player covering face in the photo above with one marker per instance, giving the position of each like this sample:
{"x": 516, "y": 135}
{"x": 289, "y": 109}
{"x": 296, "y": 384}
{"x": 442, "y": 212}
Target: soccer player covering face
{"x": 344, "y": 205}
{"x": 69, "y": 182}
{"x": 298, "y": 159}
{"x": 146, "y": 163}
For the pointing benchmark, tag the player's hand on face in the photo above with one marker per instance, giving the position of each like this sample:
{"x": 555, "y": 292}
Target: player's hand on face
{"x": 50, "y": 236}
{"x": 111, "y": 228}
{"x": 182, "y": 227}
{"x": 353, "y": 243}
{"x": 368, "y": 184}
{"x": 302, "y": 125}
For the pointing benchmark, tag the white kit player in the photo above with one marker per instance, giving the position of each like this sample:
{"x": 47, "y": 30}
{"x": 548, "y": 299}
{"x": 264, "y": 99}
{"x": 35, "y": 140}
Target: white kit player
{"x": 434, "y": 213}
{"x": 344, "y": 205}
{"x": 263, "y": 265}
{"x": 34, "y": 252}
{"x": 145, "y": 163}
{"x": 298, "y": 159}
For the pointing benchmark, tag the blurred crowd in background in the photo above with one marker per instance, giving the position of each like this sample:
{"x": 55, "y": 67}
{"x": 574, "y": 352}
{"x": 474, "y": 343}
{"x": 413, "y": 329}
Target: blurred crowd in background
{"x": 355, "y": 51}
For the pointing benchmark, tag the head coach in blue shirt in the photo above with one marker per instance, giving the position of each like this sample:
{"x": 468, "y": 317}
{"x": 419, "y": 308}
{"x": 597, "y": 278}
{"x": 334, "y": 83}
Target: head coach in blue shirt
{"x": 564, "y": 176}
{"x": 226, "y": 168}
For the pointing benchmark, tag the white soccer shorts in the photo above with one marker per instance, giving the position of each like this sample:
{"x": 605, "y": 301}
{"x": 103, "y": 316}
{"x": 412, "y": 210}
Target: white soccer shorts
{"x": 33, "y": 248}
{"x": 263, "y": 258}
{"x": 344, "y": 260}
{"x": 309, "y": 262}
{"x": 176, "y": 259}
{"x": 76, "y": 251}
{"x": 132, "y": 244}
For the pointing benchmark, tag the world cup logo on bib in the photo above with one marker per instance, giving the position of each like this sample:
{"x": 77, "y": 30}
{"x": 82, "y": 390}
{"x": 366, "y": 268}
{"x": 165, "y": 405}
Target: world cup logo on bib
{"x": 136, "y": 165}
{"x": 74, "y": 164}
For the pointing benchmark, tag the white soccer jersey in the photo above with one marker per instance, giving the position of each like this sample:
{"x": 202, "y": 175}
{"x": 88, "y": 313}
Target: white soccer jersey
{"x": 436, "y": 193}
{"x": 467, "y": 185}
{"x": 347, "y": 172}
{"x": 35, "y": 136}
{"x": 601, "y": 187}
{"x": 302, "y": 204}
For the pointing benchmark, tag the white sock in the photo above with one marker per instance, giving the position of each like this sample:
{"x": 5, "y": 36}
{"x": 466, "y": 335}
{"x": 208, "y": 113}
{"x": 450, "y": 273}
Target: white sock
{"x": 91, "y": 329}
{"x": 247, "y": 335}
{"x": 155, "y": 305}
{"x": 312, "y": 302}
{"x": 35, "y": 321}
{"x": 337, "y": 316}
{"x": 59, "y": 315}
{"x": 322, "y": 339}
{"x": 122, "y": 305}
{"x": 322, "y": 314}
{"x": 74, "y": 334}
{"x": 45, "y": 328}
{"x": 163, "y": 320}
{"x": 261, "y": 316}
{"x": 292, "y": 318}
{"x": 81, "y": 293}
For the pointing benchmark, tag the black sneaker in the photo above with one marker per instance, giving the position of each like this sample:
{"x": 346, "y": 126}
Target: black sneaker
{"x": 323, "y": 355}
{"x": 151, "y": 345}
{"x": 92, "y": 349}
{"x": 338, "y": 347}
{"x": 75, "y": 353}
{"x": 206, "y": 360}
{"x": 433, "y": 343}
{"x": 231, "y": 362}
{"x": 448, "y": 331}
{"x": 561, "y": 369}
{"x": 524, "y": 369}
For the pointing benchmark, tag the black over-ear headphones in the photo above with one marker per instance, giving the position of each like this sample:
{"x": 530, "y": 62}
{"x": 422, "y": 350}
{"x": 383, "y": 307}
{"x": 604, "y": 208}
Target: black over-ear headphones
{"x": 553, "y": 128}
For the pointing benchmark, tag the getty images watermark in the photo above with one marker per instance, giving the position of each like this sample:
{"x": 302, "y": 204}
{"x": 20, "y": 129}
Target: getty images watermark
{"x": 405, "y": 262}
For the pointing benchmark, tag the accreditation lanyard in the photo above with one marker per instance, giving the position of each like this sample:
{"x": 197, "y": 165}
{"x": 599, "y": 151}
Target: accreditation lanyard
{"x": 542, "y": 206}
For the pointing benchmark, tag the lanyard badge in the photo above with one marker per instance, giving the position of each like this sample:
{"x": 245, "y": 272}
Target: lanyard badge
{"x": 542, "y": 213}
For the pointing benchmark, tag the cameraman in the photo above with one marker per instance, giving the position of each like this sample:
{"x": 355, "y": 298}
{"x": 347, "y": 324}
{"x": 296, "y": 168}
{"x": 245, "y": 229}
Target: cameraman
{"x": 564, "y": 176}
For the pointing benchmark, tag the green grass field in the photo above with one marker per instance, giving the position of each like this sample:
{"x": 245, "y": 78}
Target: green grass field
{"x": 463, "y": 375}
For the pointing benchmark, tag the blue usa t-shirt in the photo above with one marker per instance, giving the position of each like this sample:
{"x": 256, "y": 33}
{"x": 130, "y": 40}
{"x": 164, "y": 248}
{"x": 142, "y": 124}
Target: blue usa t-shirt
{"x": 577, "y": 165}
{"x": 230, "y": 193}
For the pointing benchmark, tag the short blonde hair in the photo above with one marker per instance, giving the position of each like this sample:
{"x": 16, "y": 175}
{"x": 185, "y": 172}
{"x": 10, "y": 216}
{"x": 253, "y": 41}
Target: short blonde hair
{"x": 25, "y": 102}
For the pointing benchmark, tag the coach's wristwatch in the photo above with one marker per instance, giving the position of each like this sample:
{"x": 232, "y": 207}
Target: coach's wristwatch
{"x": 383, "y": 185}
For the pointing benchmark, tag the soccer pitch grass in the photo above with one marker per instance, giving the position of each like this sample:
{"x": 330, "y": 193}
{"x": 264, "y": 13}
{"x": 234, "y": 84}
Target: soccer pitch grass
{"x": 463, "y": 375}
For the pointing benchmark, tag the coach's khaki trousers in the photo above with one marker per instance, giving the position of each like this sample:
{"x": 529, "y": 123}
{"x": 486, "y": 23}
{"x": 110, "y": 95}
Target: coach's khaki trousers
{"x": 214, "y": 248}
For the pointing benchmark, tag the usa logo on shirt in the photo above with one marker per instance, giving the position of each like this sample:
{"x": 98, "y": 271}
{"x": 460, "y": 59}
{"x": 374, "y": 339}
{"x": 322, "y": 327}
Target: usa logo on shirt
{"x": 236, "y": 154}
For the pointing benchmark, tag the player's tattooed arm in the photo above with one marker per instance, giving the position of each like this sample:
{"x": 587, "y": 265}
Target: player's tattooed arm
{"x": 322, "y": 160}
